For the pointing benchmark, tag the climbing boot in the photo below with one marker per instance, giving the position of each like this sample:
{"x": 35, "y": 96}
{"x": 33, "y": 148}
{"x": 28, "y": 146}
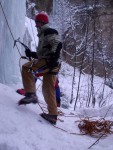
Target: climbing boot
{"x": 50, "y": 118}
{"x": 28, "y": 99}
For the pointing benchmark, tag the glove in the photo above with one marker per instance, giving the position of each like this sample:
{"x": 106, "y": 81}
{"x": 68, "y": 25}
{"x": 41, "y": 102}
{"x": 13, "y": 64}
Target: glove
{"x": 52, "y": 64}
{"x": 34, "y": 55}
{"x": 28, "y": 53}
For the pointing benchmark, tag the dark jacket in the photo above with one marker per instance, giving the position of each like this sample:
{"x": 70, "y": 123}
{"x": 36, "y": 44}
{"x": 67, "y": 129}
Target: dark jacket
{"x": 49, "y": 46}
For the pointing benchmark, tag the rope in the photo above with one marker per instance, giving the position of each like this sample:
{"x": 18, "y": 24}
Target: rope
{"x": 95, "y": 128}
{"x": 9, "y": 27}
{"x": 41, "y": 107}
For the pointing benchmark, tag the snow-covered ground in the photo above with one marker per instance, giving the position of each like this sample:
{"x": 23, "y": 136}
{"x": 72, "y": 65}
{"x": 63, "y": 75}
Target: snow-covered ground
{"x": 22, "y": 128}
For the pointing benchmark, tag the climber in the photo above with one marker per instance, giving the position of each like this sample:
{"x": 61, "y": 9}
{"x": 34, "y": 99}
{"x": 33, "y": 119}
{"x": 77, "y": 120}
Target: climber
{"x": 46, "y": 60}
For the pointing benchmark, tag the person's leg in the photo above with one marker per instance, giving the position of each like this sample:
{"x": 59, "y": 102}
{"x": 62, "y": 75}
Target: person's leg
{"x": 58, "y": 100}
{"x": 48, "y": 88}
{"x": 29, "y": 82}
{"x": 27, "y": 76}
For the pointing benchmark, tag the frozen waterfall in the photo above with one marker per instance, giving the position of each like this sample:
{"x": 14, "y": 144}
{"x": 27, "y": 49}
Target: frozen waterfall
{"x": 9, "y": 56}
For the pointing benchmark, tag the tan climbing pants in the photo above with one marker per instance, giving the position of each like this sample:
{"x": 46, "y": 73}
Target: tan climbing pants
{"x": 48, "y": 87}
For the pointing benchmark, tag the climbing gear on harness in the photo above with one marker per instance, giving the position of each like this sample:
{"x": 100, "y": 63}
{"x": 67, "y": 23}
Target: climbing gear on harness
{"x": 43, "y": 69}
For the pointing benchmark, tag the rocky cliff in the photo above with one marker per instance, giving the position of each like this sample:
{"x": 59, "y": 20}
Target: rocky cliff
{"x": 34, "y": 6}
{"x": 89, "y": 38}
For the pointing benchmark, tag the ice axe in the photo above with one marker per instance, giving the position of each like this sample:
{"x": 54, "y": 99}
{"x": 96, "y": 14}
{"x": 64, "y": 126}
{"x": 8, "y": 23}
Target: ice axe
{"x": 25, "y": 46}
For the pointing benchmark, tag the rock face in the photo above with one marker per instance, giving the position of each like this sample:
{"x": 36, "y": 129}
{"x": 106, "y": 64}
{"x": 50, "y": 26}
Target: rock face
{"x": 39, "y": 5}
{"x": 44, "y": 5}
{"x": 90, "y": 37}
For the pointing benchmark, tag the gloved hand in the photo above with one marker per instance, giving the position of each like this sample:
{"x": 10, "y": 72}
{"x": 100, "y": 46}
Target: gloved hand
{"x": 52, "y": 64}
{"x": 28, "y": 53}
{"x": 34, "y": 55}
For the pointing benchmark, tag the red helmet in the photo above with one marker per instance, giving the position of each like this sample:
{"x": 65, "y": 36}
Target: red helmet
{"x": 42, "y": 17}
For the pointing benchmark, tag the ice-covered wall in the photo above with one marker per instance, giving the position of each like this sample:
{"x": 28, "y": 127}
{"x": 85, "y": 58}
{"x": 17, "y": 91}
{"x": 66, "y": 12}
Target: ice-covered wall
{"x": 9, "y": 56}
